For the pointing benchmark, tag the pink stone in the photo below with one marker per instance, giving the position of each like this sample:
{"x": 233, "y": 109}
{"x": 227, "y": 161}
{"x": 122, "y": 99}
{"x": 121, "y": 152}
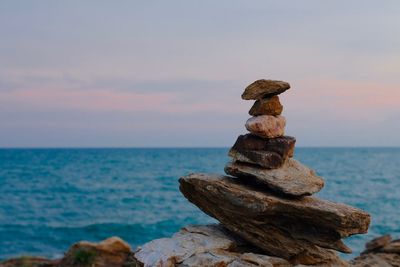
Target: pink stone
{"x": 267, "y": 126}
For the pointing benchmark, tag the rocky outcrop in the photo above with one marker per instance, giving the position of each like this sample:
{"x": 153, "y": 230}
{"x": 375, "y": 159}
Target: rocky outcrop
{"x": 215, "y": 246}
{"x": 110, "y": 252}
{"x": 267, "y": 126}
{"x": 300, "y": 230}
{"x": 264, "y": 88}
{"x": 267, "y": 106}
{"x": 292, "y": 179}
{"x": 201, "y": 245}
{"x": 267, "y": 153}
{"x": 380, "y": 252}
{"x": 27, "y": 261}
{"x": 378, "y": 243}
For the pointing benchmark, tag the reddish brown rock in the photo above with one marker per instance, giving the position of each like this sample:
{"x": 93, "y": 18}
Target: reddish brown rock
{"x": 267, "y": 126}
{"x": 264, "y": 88}
{"x": 265, "y": 159}
{"x": 380, "y": 252}
{"x": 292, "y": 179}
{"x": 299, "y": 230}
{"x": 284, "y": 145}
{"x": 378, "y": 242}
{"x": 267, "y": 153}
{"x": 376, "y": 260}
{"x": 392, "y": 247}
{"x": 267, "y": 106}
{"x": 27, "y": 261}
{"x": 110, "y": 252}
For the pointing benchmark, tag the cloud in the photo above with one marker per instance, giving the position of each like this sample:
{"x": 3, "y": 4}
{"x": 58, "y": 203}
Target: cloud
{"x": 49, "y": 91}
{"x": 114, "y": 100}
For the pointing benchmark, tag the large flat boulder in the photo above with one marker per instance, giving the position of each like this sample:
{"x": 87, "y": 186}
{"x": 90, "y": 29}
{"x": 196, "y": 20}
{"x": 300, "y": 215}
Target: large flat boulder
{"x": 292, "y": 179}
{"x": 264, "y": 88}
{"x": 300, "y": 230}
{"x": 203, "y": 245}
{"x": 267, "y": 153}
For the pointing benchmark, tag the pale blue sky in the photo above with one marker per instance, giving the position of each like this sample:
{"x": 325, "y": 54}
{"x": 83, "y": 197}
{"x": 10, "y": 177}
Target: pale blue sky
{"x": 170, "y": 73}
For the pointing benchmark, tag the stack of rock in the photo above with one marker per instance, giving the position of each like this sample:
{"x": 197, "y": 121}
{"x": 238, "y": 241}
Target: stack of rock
{"x": 266, "y": 154}
{"x": 268, "y": 200}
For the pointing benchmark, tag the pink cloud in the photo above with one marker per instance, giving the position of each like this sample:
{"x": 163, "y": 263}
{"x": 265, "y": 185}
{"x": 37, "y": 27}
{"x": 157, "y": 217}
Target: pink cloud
{"x": 92, "y": 100}
{"x": 109, "y": 100}
{"x": 342, "y": 98}
{"x": 344, "y": 95}
{"x": 341, "y": 102}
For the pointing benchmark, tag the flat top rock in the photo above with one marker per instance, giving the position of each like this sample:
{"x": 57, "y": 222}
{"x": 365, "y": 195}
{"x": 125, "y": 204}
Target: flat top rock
{"x": 265, "y": 159}
{"x": 293, "y": 178}
{"x": 345, "y": 219}
{"x": 264, "y": 88}
{"x": 269, "y": 153}
{"x": 284, "y": 145}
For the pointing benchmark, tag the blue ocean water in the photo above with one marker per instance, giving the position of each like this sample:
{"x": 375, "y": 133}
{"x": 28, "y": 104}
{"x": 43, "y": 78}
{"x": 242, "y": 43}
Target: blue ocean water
{"x": 51, "y": 198}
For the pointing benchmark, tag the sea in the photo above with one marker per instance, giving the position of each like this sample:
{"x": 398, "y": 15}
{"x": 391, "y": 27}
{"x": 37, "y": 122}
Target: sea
{"x": 51, "y": 198}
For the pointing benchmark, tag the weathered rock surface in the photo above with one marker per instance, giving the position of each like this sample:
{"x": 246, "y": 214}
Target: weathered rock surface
{"x": 292, "y": 179}
{"x": 267, "y": 106}
{"x": 299, "y": 230}
{"x": 214, "y": 246}
{"x": 378, "y": 243}
{"x": 269, "y": 160}
{"x": 393, "y": 247}
{"x": 267, "y": 153}
{"x": 110, "y": 252}
{"x": 264, "y": 88}
{"x": 284, "y": 145}
{"x": 266, "y": 126}
{"x": 208, "y": 245}
{"x": 26, "y": 261}
{"x": 377, "y": 260}
{"x": 380, "y": 252}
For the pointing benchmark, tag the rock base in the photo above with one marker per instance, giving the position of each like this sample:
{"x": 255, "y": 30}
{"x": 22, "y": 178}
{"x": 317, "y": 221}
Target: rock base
{"x": 196, "y": 246}
{"x": 208, "y": 245}
{"x": 211, "y": 246}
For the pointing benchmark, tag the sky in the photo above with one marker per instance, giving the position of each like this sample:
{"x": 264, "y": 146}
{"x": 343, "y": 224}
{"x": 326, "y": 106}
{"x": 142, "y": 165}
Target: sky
{"x": 170, "y": 73}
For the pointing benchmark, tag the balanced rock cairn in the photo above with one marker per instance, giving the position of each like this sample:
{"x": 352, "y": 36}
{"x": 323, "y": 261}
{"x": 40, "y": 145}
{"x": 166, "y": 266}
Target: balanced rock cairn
{"x": 267, "y": 199}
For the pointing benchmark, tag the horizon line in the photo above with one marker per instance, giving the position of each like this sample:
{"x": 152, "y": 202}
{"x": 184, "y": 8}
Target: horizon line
{"x": 173, "y": 147}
